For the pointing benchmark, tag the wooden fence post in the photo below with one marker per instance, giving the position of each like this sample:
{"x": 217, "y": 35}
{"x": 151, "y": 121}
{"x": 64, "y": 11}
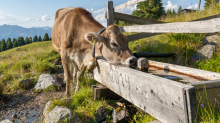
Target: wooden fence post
{"x": 110, "y": 13}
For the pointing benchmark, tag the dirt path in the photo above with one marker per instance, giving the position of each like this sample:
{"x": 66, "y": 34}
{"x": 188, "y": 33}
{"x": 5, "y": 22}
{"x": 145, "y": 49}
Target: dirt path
{"x": 27, "y": 106}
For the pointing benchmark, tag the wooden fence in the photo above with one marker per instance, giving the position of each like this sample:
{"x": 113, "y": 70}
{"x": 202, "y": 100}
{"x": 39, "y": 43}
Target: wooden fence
{"x": 166, "y": 100}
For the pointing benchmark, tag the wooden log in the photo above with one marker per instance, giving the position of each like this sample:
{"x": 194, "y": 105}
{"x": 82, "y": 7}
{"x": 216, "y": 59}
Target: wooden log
{"x": 129, "y": 3}
{"x": 207, "y": 26}
{"x": 134, "y": 19}
{"x": 142, "y": 64}
{"x": 202, "y": 74}
{"x": 160, "y": 97}
{"x": 141, "y": 35}
{"x": 110, "y": 11}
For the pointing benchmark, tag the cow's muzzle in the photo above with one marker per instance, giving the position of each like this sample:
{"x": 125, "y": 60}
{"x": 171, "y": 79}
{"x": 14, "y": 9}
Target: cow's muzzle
{"x": 131, "y": 61}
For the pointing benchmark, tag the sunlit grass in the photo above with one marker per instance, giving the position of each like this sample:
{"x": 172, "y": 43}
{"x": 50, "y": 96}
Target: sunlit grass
{"x": 26, "y": 63}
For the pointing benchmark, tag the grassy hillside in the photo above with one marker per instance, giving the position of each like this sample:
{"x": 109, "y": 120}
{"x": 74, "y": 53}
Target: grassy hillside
{"x": 28, "y": 62}
{"x": 40, "y": 57}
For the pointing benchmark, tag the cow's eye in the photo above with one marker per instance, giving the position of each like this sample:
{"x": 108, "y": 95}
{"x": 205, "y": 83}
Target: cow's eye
{"x": 114, "y": 44}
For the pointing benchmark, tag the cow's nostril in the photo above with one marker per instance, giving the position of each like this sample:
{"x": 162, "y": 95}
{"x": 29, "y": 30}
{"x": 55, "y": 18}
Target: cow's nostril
{"x": 131, "y": 61}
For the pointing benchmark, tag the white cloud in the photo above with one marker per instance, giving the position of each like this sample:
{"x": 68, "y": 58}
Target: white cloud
{"x": 97, "y": 11}
{"x": 128, "y": 10}
{"x": 100, "y": 17}
{"x": 7, "y": 17}
{"x": 170, "y": 6}
{"x": 193, "y": 6}
{"x": 45, "y": 18}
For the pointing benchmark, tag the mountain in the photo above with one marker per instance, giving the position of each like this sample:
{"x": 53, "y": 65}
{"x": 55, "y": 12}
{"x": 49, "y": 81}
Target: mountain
{"x": 14, "y": 31}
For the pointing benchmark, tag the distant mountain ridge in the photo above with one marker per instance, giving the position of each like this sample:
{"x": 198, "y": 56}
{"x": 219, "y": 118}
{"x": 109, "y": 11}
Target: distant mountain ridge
{"x": 15, "y": 31}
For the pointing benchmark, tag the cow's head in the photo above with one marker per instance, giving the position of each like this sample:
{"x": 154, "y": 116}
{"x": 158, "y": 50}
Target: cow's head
{"x": 115, "y": 45}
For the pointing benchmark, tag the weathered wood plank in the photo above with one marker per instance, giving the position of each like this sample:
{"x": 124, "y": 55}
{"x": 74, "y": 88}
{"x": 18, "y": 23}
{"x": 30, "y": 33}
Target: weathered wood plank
{"x": 208, "y": 92}
{"x": 141, "y": 35}
{"x": 134, "y": 19}
{"x": 207, "y": 26}
{"x": 155, "y": 121}
{"x": 191, "y": 104}
{"x": 110, "y": 11}
{"x": 162, "y": 98}
{"x": 186, "y": 70}
{"x": 129, "y": 3}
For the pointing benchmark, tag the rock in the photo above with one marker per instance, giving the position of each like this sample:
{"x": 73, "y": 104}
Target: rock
{"x": 2, "y": 76}
{"x": 210, "y": 39}
{"x": 62, "y": 114}
{"x": 26, "y": 84}
{"x": 206, "y": 52}
{"x": 101, "y": 114}
{"x": 6, "y": 121}
{"x": 8, "y": 83}
{"x": 45, "y": 112}
{"x": 46, "y": 80}
{"x": 120, "y": 114}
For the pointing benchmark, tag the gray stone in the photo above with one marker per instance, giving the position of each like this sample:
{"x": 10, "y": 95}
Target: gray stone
{"x": 8, "y": 83}
{"x": 62, "y": 114}
{"x": 211, "y": 39}
{"x": 101, "y": 114}
{"x": 206, "y": 52}
{"x": 26, "y": 84}
{"x": 6, "y": 121}
{"x": 120, "y": 115}
{"x": 2, "y": 76}
{"x": 45, "y": 112}
{"x": 44, "y": 81}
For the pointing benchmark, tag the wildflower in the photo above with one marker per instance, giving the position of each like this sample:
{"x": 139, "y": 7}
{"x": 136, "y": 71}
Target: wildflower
{"x": 201, "y": 105}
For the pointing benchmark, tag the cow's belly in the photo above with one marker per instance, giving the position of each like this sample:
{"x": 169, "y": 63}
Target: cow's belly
{"x": 80, "y": 59}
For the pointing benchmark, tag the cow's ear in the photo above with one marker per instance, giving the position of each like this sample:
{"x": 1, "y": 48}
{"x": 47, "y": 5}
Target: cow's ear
{"x": 92, "y": 35}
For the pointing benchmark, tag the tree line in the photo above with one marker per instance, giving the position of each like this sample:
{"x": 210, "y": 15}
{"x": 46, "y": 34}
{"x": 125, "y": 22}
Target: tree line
{"x": 5, "y": 45}
{"x": 153, "y": 9}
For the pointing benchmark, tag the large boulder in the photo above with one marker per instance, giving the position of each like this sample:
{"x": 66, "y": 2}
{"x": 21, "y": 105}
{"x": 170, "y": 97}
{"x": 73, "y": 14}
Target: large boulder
{"x": 6, "y": 121}
{"x": 45, "y": 81}
{"x": 62, "y": 114}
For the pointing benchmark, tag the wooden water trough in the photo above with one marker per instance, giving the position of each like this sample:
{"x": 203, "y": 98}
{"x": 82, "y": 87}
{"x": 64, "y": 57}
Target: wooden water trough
{"x": 167, "y": 100}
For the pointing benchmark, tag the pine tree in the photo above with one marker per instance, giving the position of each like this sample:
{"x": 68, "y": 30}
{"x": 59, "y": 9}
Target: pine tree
{"x": 26, "y": 40}
{"x": 168, "y": 11}
{"x": 9, "y": 44}
{"x": 179, "y": 10}
{"x": 50, "y": 39}
{"x": 0, "y": 46}
{"x": 20, "y": 41}
{"x": 208, "y": 3}
{"x": 15, "y": 42}
{"x": 46, "y": 37}
{"x": 40, "y": 39}
{"x": 151, "y": 9}
{"x": 30, "y": 39}
{"x": 3, "y": 45}
{"x": 35, "y": 39}
{"x": 173, "y": 13}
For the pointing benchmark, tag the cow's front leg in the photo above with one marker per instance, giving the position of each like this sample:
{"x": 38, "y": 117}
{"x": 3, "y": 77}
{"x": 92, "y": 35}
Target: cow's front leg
{"x": 77, "y": 81}
{"x": 75, "y": 70}
{"x": 67, "y": 75}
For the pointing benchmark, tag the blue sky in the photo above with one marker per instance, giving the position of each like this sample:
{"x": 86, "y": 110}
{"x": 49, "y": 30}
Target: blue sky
{"x": 40, "y": 13}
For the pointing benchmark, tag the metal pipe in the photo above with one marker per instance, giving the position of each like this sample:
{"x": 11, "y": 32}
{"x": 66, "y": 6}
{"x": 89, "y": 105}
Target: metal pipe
{"x": 153, "y": 55}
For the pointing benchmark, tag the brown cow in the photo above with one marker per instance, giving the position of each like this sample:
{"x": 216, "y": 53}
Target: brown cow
{"x": 73, "y": 30}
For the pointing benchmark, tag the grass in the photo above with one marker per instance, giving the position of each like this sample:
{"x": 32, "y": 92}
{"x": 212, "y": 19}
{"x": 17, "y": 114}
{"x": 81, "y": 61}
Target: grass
{"x": 39, "y": 58}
